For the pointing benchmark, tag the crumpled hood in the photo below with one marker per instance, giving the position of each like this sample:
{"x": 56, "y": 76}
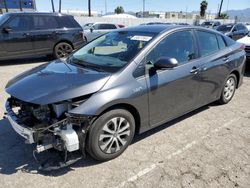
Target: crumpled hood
{"x": 55, "y": 82}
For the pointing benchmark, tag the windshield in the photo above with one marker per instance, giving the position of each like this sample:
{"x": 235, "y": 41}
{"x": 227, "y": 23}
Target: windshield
{"x": 225, "y": 28}
{"x": 112, "y": 51}
{"x": 4, "y": 18}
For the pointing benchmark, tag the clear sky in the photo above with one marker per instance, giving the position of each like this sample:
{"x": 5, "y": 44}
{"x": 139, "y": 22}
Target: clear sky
{"x": 136, "y": 5}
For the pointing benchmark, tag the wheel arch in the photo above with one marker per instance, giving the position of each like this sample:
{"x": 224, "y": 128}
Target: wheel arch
{"x": 237, "y": 74}
{"x": 130, "y": 108}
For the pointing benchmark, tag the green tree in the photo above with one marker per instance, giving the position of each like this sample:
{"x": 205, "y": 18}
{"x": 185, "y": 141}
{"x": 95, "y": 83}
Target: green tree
{"x": 119, "y": 10}
{"x": 204, "y": 5}
{"x": 223, "y": 16}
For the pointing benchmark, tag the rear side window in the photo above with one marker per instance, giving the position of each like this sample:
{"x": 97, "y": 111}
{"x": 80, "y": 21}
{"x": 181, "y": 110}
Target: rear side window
{"x": 45, "y": 22}
{"x": 68, "y": 22}
{"x": 221, "y": 42}
{"x": 208, "y": 43}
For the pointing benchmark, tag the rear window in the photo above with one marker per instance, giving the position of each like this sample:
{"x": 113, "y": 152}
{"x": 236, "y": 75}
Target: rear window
{"x": 229, "y": 41}
{"x": 221, "y": 42}
{"x": 208, "y": 43}
{"x": 68, "y": 22}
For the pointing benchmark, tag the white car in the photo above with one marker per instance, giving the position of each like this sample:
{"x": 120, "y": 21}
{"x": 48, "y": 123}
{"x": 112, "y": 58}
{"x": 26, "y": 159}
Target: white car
{"x": 246, "y": 40}
{"x": 99, "y": 28}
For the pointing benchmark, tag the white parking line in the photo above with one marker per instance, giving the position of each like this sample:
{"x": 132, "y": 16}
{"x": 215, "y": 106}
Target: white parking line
{"x": 178, "y": 152}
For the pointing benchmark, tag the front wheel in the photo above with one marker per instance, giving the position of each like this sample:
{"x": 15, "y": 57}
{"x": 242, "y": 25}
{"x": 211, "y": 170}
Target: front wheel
{"x": 228, "y": 89}
{"x": 62, "y": 50}
{"x": 110, "y": 134}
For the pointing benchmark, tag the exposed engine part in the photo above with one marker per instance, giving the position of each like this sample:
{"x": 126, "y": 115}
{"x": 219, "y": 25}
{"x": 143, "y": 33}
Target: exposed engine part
{"x": 61, "y": 108}
{"x": 70, "y": 137}
{"x": 52, "y": 128}
{"x": 42, "y": 113}
{"x": 42, "y": 148}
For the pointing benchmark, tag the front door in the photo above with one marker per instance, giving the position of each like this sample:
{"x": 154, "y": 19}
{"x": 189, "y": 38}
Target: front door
{"x": 172, "y": 92}
{"x": 17, "y": 41}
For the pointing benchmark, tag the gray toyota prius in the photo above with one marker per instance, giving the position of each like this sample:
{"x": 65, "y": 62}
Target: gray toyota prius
{"x": 122, "y": 83}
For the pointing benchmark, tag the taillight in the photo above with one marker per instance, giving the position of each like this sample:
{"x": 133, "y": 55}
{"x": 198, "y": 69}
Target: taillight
{"x": 243, "y": 46}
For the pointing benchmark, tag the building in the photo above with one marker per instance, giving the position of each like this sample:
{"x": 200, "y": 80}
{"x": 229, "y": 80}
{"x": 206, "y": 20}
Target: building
{"x": 150, "y": 14}
{"x": 80, "y": 13}
{"x": 17, "y": 5}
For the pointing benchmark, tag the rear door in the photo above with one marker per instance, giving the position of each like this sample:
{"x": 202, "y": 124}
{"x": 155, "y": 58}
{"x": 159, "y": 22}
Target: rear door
{"x": 18, "y": 42}
{"x": 44, "y": 33}
{"x": 214, "y": 56}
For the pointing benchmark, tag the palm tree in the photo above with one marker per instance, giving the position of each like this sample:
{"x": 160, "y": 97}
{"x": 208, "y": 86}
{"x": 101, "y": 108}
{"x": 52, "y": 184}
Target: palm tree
{"x": 204, "y": 5}
{"x": 89, "y": 7}
{"x": 219, "y": 13}
{"x": 52, "y": 4}
{"x": 60, "y": 6}
{"x": 5, "y": 5}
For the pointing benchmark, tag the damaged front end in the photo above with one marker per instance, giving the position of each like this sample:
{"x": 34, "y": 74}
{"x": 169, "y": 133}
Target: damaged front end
{"x": 50, "y": 127}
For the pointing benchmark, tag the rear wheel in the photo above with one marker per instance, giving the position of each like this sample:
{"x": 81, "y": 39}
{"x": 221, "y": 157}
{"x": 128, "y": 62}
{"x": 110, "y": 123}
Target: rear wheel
{"x": 62, "y": 50}
{"x": 228, "y": 89}
{"x": 110, "y": 134}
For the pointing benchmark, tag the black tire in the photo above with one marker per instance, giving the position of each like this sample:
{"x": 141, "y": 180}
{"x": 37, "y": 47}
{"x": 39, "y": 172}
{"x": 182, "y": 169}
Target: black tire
{"x": 96, "y": 143}
{"x": 224, "y": 99}
{"x": 62, "y": 50}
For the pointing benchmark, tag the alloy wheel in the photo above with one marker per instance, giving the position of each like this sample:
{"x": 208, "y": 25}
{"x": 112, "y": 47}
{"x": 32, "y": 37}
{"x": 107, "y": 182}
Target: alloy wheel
{"x": 114, "y": 135}
{"x": 229, "y": 88}
{"x": 64, "y": 50}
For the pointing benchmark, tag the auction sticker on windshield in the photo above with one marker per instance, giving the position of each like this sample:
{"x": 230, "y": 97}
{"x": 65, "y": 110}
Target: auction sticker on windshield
{"x": 141, "y": 38}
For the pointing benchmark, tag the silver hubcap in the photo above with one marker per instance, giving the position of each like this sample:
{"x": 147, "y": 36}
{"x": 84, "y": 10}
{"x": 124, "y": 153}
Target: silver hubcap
{"x": 115, "y": 135}
{"x": 229, "y": 89}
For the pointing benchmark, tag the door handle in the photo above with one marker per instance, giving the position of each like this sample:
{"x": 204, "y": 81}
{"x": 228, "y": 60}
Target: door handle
{"x": 26, "y": 34}
{"x": 194, "y": 70}
{"x": 225, "y": 59}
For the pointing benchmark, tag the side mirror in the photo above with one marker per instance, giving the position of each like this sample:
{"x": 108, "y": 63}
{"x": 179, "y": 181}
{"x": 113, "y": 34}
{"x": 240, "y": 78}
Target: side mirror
{"x": 91, "y": 29}
{"x": 7, "y": 29}
{"x": 166, "y": 63}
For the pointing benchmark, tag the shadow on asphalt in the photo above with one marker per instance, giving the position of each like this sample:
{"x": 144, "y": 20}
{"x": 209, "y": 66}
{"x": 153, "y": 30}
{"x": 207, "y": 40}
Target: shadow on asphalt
{"x": 15, "y": 155}
{"x": 25, "y": 61}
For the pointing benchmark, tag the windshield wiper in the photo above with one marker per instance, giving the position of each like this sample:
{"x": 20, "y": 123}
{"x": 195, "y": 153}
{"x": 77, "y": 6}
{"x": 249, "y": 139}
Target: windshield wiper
{"x": 85, "y": 65}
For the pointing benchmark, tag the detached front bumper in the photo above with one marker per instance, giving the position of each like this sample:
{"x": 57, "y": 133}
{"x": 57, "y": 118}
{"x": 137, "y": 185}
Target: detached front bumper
{"x": 20, "y": 129}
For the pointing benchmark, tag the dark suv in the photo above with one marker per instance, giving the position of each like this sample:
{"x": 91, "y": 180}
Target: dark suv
{"x": 37, "y": 34}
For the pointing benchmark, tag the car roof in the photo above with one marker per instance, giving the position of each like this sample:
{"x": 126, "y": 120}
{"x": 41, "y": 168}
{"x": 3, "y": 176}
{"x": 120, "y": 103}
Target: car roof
{"x": 156, "y": 29}
{"x": 37, "y": 13}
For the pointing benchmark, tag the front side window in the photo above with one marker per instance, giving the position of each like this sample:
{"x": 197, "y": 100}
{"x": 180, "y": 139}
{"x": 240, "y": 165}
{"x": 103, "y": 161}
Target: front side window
{"x": 112, "y": 51}
{"x": 208, "y": 43}
{"x": 4, "y": 18}
{"x": 21, "y": 23}
{"x": 179, "y": 45}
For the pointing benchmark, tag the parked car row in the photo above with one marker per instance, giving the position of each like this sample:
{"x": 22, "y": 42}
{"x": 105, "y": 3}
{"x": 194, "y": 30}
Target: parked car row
{"x": 35, "y": 34}
{"x": 94, "y": 30}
